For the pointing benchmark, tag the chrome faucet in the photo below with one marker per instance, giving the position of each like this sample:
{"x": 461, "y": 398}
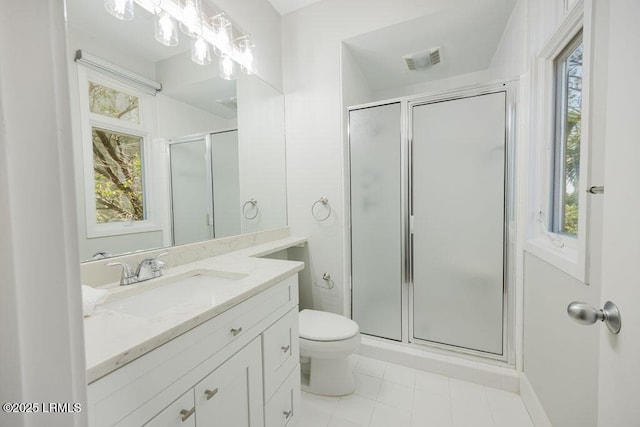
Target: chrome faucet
{"x": 149, "y": 268}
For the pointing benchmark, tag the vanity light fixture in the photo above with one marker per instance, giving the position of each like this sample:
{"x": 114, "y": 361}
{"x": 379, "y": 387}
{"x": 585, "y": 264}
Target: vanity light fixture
{"x": 165, "y": 27}
{"x": 216, "y": 32}
{"x": 121, "y": 9}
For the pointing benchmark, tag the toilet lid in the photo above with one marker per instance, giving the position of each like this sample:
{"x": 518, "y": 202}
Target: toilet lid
{"x": 323, "y": 326}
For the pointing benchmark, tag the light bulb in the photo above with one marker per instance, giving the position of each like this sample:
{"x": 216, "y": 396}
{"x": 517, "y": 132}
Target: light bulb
{"x": 121, "y": 9}
{"x": 247, "y": 48}
{"x": 166, "y": 30}
{"x": 190, "y": 24}
{"x": 200, "y": 51}
{"x": 227, "y": 67}
{"x": 223, "y": 34}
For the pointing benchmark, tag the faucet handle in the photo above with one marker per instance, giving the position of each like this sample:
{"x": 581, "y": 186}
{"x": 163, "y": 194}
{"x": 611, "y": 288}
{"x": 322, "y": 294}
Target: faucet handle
{"x": 127, "y": 276}
{"x": 159, "y": 263}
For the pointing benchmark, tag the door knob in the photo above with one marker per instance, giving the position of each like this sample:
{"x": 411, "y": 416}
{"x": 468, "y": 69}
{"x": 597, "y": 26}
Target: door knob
{"x": 585, "y": 314}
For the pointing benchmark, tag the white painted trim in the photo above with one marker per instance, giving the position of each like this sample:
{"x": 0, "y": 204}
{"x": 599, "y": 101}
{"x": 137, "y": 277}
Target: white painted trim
{"x": 532, "y": 403}
{"x": 143, "y": 129}
{"x": 566, "y": 253}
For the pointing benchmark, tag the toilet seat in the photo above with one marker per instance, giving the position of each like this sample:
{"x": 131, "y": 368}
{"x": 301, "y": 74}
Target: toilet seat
{"x": 322, "y": 326}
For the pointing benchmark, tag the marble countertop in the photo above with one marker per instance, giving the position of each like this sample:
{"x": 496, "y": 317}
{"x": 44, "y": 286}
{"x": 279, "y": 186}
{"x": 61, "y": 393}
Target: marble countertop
{"x": 114, "y": 338}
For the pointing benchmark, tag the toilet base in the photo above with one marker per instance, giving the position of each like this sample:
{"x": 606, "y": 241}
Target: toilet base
{"x": 331, "y": 377}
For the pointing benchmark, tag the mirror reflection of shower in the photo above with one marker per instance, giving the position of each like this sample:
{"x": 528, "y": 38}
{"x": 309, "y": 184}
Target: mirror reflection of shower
{"x": 205, "y": 187}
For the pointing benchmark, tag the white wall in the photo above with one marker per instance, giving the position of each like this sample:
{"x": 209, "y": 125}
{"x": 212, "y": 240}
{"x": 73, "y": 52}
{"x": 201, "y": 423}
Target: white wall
{"x": 176, "y": 119}
{"x": 42, "y": 357}
{"x": 311, "y": 49}
{"x": 261, "y": 154}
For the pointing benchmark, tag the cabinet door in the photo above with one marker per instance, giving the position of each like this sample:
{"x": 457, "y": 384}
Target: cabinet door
{"x": 283, "y": 408}
{"x": 232, "y": 394}
{"x": 281, "y": 351}
{"x": 179, "y": 414}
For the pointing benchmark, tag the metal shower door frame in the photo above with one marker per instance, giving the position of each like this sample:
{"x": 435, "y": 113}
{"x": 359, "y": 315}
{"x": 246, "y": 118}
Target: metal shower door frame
{"x": 406, "y": 104}
{"x": 508, "y": 291}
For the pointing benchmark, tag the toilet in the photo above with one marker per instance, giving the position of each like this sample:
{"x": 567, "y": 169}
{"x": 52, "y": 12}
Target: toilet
{"x": 326, "y": 341}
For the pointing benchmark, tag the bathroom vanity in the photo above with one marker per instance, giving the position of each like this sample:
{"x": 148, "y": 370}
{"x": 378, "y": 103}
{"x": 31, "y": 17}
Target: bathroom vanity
{"x": 212, "y": 342}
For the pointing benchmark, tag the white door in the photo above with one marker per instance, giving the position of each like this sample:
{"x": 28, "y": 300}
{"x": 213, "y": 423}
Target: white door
{"x": 619, "y": 389}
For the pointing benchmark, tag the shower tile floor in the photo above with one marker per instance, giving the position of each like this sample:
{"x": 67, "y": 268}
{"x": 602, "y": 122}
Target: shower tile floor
{"x": 390, "y": 395}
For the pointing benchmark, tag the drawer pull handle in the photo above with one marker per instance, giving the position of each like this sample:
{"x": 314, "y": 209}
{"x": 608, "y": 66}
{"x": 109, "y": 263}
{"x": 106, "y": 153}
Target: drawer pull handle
{"x": 287, "y": 414}
{"x": 236, "y": 331}
{"x": 186, "y": 414}
{"x": 210, "y": 393}
{"x": 285, "y": 348}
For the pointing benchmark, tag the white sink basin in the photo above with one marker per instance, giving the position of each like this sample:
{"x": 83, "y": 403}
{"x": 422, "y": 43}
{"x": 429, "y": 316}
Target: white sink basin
{"x": 196, "y": 288}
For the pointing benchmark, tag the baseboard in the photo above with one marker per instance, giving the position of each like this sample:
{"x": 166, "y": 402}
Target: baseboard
{"x": 500, "y": 377}
{"x": 532, "y": 403}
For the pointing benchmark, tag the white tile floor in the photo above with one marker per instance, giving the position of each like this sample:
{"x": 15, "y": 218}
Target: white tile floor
{"x": 389, "y": 395}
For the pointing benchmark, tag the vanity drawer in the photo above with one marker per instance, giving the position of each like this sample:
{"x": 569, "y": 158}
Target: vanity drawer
{"x": 284, "y": 407}
{"x": 281, "y": 351}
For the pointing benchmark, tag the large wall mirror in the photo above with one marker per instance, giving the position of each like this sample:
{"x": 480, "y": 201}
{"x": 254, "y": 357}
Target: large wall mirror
{"x": 202, "y": 158}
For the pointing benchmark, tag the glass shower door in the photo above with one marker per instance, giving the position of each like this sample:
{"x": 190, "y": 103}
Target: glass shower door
{"x": 376, "y": 224}
{"x": 191, "y": 205}
{"x": 458, "y": 207}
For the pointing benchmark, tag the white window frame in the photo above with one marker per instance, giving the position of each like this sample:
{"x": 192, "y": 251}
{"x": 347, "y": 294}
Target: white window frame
{"x": 567, "y": 253}
{"x": 142, "y": 129}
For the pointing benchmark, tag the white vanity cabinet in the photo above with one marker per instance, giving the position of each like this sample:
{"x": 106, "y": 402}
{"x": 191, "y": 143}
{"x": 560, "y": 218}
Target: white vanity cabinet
{"x": 241, "y": 368}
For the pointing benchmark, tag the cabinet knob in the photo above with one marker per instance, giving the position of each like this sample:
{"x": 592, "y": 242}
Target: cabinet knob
{"x": 187, "y": 413}
{"x": 285, "y": 348}
{"x": 210, "y": 393}
{"x": 287, "y": 414}
{"x": 235, "y": 331}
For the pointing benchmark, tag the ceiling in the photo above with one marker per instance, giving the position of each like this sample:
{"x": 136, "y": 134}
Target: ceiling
{"x": 285, "y": 6}
{"x": 468, "y": 38}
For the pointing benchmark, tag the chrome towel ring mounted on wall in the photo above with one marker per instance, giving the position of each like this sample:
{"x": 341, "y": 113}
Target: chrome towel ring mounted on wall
{"x": 325, "y": 202}
{"x": 254, "y": 206}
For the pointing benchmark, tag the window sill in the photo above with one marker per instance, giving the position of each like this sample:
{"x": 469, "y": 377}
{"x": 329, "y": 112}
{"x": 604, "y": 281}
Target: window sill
{"x": 566, "y": 259}
{"x": 121, "y": 228}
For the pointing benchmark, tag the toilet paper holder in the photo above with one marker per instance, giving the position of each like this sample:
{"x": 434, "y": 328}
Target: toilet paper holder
{"x": 329, "y": 282}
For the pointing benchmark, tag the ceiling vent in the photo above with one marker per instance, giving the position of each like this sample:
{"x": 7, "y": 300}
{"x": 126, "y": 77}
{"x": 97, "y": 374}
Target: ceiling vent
{"x": 422, "y": 60}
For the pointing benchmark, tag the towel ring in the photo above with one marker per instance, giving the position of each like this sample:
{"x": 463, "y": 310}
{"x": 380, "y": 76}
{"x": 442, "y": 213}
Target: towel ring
{"x": 254, "y": 204}
{"x": 325, "y": 202}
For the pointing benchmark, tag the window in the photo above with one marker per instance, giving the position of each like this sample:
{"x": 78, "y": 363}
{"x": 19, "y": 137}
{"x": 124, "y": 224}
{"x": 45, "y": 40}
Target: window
{"x": 557, "y": 227}
{"x": 568, "y": 131}
{"x": 117, "y": 177}
{"x": 115, "y": 135}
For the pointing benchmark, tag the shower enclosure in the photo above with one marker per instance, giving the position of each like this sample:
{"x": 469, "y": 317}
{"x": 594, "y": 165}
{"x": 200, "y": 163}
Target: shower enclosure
{"x": 205, "y": 182}
{"x": 430, "y": 199}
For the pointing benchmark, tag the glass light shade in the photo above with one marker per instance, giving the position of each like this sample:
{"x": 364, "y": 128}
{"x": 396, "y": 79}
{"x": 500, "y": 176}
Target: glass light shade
{"x": 121, "y": 9}
{"x": 200, "y": 51}
{"x": 247, "y": 51}
{"x": 227, "y": 67}
{"x": 166, "y": 29}
{"x": 223, "y": 33}
{"x": 190, "y": 24}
